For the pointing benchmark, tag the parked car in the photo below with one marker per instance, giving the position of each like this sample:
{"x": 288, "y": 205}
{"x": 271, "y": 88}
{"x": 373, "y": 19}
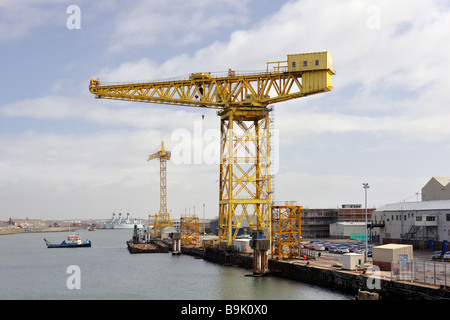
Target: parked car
{"x": 447, "y": 256}
{"x": 332, "y": 249}
{"x": 342, "y": 250}
{"x": 437, "y": 255}
{"x": 320, "y": 247}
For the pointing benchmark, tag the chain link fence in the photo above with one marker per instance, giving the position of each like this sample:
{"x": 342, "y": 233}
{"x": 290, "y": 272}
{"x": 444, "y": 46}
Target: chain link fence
{"x": 428, "y": 272}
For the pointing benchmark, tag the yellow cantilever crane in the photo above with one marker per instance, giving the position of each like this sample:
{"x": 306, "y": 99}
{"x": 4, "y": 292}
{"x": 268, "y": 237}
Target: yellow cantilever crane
{"x": 243, "y": 102}
{"x": 162, "y": 219}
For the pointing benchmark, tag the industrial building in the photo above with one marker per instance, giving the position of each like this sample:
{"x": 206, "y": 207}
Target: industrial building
{"x": 322, "y": 223}
{"x": 351, "y": 230}
{"x": 335, "y": 222}
{"x": 423, "y": 224}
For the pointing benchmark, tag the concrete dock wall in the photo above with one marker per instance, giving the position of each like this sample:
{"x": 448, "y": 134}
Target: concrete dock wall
{"x": 330, "y": 278}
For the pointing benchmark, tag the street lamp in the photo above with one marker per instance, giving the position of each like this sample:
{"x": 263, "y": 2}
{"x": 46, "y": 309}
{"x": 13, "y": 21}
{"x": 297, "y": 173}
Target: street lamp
{"x": 204, "y": 223}
{"x": 365, "y": 186}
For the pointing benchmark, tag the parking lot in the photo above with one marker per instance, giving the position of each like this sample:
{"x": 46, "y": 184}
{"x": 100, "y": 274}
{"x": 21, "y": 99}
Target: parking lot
{"x": 423, "y": 269}
{"x": 335, "y": 247}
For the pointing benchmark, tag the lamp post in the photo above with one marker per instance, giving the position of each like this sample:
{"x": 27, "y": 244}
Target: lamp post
{"x": 204, "y": 223}
{"x": 365, "y": 186}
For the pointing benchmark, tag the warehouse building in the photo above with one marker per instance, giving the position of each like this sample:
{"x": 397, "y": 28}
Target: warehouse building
{"x": 351, "y": 230}
{"x": 423, "y": 224}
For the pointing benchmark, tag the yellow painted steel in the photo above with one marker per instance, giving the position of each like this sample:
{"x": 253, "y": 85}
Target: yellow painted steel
{"x": 190, "y": 231}
{"x": 162, "y": 219}
{"x": 245, "y": 179}
{"x": 281, "y": 83}
{"x": 286, "y": 231}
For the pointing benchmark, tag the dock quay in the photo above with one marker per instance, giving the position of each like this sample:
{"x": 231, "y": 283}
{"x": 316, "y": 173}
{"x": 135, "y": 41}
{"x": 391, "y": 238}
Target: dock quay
{"x": 325, "y": 272}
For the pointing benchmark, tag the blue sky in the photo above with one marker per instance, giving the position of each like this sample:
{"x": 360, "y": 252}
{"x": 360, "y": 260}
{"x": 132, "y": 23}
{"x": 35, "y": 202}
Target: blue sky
{"x": 65, "y": 154}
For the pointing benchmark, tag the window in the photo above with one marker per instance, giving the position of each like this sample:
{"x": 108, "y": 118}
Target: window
{"x": 430, "y": 218}
{"x": 294, "y": 65}
{"x": 316, "y": 62}
{"x": 447, "y": 217}
{"x": 418, "y": 218}
{"x": 305, "y": 63}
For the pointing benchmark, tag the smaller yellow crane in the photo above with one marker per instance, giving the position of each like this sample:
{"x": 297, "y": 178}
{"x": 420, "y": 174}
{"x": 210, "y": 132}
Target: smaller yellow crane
{"x": 162, "y": 219}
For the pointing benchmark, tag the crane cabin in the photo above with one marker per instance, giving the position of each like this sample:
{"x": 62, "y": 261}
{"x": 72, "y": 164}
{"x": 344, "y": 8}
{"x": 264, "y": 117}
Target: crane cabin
{"x": 316, "y": 69}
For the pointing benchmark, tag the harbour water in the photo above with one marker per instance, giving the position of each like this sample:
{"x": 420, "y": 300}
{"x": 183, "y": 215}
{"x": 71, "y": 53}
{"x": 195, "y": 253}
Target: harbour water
{"x": 29, "y": 270}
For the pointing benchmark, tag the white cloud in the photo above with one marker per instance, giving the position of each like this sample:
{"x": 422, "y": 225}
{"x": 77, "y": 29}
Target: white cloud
{"x": 104, "y": 113}
{"x": 17, "y": 18}
{"x": 333, "y": 190}
{"x": 92, "y": 175}
{"x": 389, "y": 89}
{"x": 174, "y": 23}
{"x": 431, "y": 128}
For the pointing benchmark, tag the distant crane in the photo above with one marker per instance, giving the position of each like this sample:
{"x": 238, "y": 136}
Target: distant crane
{"x": 243, "y": 100}
{"x": 162, "y": 219}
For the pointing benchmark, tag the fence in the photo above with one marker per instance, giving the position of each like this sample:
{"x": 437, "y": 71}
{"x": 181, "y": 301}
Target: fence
{"x": 360, "y": 236}
{"x": 428, "y": 272}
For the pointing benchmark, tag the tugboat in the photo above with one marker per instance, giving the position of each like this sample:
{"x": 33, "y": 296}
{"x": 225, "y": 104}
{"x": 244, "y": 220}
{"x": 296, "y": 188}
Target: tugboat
{"x": 73, "y": 241}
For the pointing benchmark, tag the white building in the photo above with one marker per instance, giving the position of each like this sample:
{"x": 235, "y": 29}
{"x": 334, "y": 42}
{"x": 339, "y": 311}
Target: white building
{"x": 424, "y": 224}
{"x": 347, "y": 229}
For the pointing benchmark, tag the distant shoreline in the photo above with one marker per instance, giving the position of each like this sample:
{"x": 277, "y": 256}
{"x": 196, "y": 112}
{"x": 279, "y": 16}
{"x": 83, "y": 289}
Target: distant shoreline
{"x": 21, "y": 231}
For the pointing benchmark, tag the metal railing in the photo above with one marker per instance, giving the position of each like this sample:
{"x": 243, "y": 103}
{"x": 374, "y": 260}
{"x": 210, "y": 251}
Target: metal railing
{"x": 427, "y": 272}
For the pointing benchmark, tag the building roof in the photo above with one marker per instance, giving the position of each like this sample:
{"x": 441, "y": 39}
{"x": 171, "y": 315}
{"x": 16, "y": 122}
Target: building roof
{"x": 391, "y": 246}
{"x": 442, "y": 180}
{"x": 416, "y": 205}
{"x": 351, "y": 223}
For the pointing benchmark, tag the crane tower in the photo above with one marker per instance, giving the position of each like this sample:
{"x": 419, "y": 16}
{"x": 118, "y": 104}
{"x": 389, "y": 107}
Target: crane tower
{"x": 244, "y": 103}
{"x": 162, "y": 219}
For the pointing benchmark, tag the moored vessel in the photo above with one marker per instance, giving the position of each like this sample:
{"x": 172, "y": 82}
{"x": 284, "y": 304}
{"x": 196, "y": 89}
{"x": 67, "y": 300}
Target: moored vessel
{"x": 73, "y": 241}
{"x": 119, "y": 223}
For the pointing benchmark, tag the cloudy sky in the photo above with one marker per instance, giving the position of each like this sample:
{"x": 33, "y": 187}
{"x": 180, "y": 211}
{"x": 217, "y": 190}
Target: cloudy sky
{"x": 64, "y": 154}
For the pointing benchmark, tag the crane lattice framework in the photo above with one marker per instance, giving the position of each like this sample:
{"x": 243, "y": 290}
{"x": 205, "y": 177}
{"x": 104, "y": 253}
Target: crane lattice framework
{"x": 286, "y": 230}
{"x": 243, "y": 101}
{"x": 190, "y": 228}
{"x": 162, "y": 219}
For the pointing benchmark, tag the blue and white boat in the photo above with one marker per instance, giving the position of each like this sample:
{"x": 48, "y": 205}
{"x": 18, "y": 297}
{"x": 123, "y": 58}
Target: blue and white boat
{"x": 73, "y": 241}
